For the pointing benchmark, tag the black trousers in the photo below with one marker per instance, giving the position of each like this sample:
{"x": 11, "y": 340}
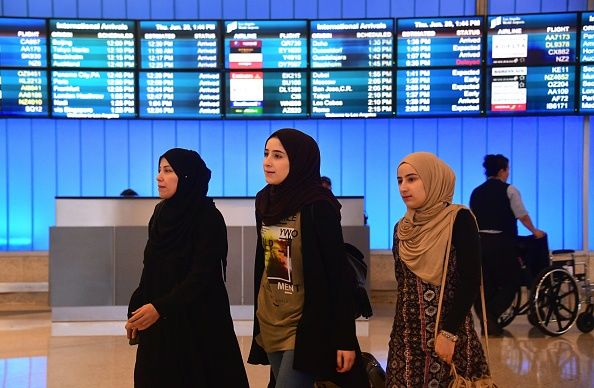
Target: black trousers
{"x": 501, "y": 273}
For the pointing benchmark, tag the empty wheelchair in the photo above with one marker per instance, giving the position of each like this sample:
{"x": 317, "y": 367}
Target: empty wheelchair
{"x": 557, "y": 286}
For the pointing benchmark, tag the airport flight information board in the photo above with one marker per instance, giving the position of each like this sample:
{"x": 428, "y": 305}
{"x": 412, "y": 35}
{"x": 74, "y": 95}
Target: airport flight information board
{"x": 23, "y": 93}
{"x": 543, "y": 39}
{"x": 587, "y": 38}
{"x": 456, "y": 66}
{"x": 179, "y": 44}
{"x": 265, "y": 44}
{"x": 532, "y": 89}
{"x": 430, "y": 42}
{"x": 93, "y": 94}
{"x": 444, "y": 92}
{"x": 351, "y": 93}
{"x": 107, "y": 44}
{"x": 23, "y": 59}
{"x": 266, "y": 94}
{"x": 586, "y": 86}
{"x": 180, "y": 95}
{"x": 23, "y": 43}
{"x": 586, "y": 89}
{"x": 351, "y": 43}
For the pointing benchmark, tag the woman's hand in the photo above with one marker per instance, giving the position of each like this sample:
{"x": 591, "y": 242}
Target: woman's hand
{"x": 344, "y": 360}
{"x": 444, "y": 348}
{"x": 131, "y": 332}
{"x": 143, "y": 318}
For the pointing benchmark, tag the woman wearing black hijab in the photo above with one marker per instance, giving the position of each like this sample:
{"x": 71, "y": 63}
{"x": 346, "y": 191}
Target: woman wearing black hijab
{"x": 180, "y": 311}
{"x": 304, "y": 324}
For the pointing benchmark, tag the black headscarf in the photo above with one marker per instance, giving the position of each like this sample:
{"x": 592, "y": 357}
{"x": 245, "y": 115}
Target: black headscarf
{"x": 174, "y": 218}
{"x": 303, "y": 184}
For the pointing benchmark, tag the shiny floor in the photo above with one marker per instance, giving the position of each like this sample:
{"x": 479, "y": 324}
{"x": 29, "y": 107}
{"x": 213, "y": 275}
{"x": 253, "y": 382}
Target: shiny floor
{"x": 35, "y": 353}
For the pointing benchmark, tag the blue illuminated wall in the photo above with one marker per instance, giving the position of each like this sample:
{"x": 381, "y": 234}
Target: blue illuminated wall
{"x": 41, "y": 159}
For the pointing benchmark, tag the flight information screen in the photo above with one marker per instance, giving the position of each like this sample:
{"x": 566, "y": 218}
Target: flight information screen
{"x": 539, "y": 39}
{"x": 454, "y": 91}
{"x": 93, "y": 94}
{"x": 23, "y": 93}
{"x": 107, "y": 44}
{"x": 431, "y": 42}
{"x": 265, "y": 44}
{"x": 586, "y": 91}
{"x": 179, "y": 95}
{"x": 23, "y": 42}
{"x": 351, "y": 93}
{"x": 262, "y": 94}
{"x": 587, "y": 37}
{"x": 179, "y": 44}
{"x": 522, "y": 89}
{"x": 351, "y": 43}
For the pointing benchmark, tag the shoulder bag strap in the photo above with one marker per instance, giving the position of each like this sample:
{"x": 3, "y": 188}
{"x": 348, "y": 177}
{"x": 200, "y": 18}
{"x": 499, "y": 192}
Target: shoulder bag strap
{"x": 441, "y": 292}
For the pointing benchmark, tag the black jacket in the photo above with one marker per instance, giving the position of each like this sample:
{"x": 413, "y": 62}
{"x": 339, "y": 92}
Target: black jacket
{"x": 193, "y": 343}
{"x": 327, "y": 323}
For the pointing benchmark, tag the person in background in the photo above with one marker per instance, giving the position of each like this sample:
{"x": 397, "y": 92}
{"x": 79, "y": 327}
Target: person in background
{"x": 326, "y": 182}
{"x": 128, "y": 193}
{"x": 432, "y": 228}
{"x": 497, "y": 205}
{"x": 304, "y": 323}
{"x": 179, "y": 314}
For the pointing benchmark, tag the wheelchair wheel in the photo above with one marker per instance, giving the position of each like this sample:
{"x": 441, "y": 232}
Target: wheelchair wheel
{"x": 508, "y": 315}
{"x": 532, "y": 318}
{"x": 555, "y": 301}
{"x": 585, "y": 321}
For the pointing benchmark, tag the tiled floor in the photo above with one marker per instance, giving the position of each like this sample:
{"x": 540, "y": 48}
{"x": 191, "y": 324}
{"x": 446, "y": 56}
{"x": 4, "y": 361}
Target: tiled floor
{"x": 35, "y": 354}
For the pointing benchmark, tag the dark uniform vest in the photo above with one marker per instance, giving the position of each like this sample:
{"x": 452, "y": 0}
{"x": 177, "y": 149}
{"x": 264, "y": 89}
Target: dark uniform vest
{"x": 491, "y": 206}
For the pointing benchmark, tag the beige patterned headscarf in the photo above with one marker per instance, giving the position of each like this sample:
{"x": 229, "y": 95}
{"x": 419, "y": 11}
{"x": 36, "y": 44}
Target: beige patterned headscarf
{"x": 425, "y": 233}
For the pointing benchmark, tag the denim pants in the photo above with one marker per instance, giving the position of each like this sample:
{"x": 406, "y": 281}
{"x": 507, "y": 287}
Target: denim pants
{"x": 287, "y": 377}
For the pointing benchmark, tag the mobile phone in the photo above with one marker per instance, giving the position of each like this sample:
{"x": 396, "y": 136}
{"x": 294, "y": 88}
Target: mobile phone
{"x": 133, "y": 341}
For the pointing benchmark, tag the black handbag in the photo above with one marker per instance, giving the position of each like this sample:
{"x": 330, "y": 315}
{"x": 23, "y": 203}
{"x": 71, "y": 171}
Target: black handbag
{"x": 375, "y": 373}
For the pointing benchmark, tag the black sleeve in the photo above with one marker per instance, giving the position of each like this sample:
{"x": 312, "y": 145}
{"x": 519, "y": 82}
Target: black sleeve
{"x": 210, "y": 248}
{"x": 258, "y": 272}
{"x": 257, "y": 354}
{"x": 331, "y": 245}
{"x": 465, "y": 238}
{"x": 138, "y": 299}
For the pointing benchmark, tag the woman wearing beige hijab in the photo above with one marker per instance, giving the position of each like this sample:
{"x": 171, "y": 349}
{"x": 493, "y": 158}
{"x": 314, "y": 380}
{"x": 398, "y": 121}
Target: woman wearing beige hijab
{"x": 431, "y": 228}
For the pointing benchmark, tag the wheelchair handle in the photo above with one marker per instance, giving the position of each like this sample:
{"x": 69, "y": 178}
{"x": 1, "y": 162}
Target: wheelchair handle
{"x": 562, "y": 251}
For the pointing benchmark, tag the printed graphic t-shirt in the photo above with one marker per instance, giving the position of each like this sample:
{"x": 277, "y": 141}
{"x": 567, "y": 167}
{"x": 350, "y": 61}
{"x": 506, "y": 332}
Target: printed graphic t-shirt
{"x": 280, "y": 299}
